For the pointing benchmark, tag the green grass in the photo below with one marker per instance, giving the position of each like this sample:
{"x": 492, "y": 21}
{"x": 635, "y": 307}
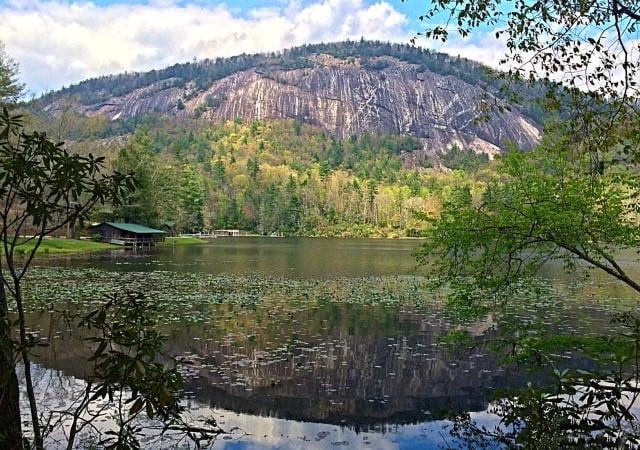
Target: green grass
{"x": 183, "y": 240}
{"x": 57, "y": 246}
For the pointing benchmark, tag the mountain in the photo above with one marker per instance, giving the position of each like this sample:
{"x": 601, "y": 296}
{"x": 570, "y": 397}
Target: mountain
{"x": 346, "y": 89}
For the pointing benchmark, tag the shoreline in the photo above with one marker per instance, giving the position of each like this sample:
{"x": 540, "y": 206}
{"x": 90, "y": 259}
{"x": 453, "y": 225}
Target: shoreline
{"x": 63, "y": 246}
{"x": 51, "y": 246}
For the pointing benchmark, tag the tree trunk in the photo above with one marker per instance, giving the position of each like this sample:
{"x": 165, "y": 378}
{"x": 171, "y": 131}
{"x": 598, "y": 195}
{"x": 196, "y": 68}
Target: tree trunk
{"x": 26, "y": 362}
{"x": 10, "y": 423}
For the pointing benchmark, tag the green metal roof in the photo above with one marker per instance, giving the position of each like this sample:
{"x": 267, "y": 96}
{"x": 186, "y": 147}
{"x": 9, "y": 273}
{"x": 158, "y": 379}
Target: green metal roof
{"x": 133, "y": 228}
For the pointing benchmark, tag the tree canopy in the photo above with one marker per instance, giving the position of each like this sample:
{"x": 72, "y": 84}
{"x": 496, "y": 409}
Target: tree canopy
{"x": 574, "y": 199}
{"x": 588, "y": 44}
{"x": 587, "y": 52}
{"x": 540, "y": 206}
{"x": 10, "y": 88}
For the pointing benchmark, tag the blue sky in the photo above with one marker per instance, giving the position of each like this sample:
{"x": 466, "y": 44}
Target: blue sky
{"x": 58, "y": 42}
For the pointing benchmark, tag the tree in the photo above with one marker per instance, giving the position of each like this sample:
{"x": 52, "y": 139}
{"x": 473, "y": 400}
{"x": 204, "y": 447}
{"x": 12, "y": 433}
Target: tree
{"x": 540, "y": 206}
{"x": 372, "y": 193}
{"x": 575, "y": 199}
{"x": 125, "y": 344}
{"x": 552, "y": 199}
{"x": 270, "y": 209}
{"x": 253, "y": 168}
{"x": 467, "y": 160}
{"x": 192, "y": 194}
{"x": 153, "y": 186}
{"x": 219, "y": 171}
{"x": 585, "y": 42}
{"x": 586, "y": 52}
{"x": 292, "y": 212}
{"x": 43, "y": 187}
{"x": 10, "y": 88}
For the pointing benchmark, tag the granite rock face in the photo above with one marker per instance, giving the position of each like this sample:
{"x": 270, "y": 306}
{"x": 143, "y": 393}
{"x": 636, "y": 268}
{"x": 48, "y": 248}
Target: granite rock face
{"x": 342, "y": 97}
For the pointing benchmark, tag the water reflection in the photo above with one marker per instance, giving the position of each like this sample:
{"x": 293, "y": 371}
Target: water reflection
{"x": 289, "y": 257}
{"x": 251, "y": 431}
{"x": 289, "y": 371}
{"x": 392, "y": 373}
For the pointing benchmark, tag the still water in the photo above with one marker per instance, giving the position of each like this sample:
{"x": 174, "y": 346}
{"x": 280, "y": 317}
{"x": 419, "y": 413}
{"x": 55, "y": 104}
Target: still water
{"x": 312, "y": 343}
{"x": 283, "y": 257}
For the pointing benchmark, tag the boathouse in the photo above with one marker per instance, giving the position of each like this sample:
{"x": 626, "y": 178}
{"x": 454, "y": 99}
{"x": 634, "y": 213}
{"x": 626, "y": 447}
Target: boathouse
{"x": 127, "y": 234}
{"x": 229, "y": 233}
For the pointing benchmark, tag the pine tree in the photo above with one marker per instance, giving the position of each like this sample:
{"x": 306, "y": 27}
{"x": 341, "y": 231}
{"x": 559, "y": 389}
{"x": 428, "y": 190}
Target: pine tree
{"x": 10, "y": 88}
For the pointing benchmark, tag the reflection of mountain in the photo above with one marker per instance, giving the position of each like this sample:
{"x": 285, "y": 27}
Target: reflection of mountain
{"x": 361, "y": 378}
{"x": 350, "y": 380}
{"x": 358, "y": 414}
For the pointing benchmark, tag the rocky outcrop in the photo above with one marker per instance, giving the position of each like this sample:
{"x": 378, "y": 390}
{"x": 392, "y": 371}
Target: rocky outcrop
{"x": 342, "y": 97}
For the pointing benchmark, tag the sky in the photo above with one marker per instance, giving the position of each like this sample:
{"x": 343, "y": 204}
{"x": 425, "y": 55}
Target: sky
{"x": 60, "y": 42}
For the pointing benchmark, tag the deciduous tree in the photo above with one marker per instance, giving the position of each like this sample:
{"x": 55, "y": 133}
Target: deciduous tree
{"x": 43, "y": 187}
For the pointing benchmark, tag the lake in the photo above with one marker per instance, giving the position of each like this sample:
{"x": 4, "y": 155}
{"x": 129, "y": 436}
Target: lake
{"x": 313, "y": 343}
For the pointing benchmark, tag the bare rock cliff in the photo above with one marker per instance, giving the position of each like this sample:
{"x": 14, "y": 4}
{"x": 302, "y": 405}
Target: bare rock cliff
{"x": 341, "y": 96}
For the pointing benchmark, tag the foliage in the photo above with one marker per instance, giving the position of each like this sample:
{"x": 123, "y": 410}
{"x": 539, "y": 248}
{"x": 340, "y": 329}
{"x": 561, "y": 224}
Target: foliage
{"x": 468, "y": 160}
{"x": 541, "y": 206}
{"x": 276, "y": 176}
{"x": 589, "y": 48}
{"x": 126, "y": 377}
{"x": 142, "y": 205}
{"x": 581, "y": 409}
{"x": 546, "y": 205}
{"x": 554, "y": 38}
{"x": 43, "y": 187}
{"x": 10, "y": 88}
{"x": 192, "y": 194}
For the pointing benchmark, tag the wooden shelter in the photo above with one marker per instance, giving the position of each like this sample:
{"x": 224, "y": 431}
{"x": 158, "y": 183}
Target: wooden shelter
{"x": 229, "y": 233}
{"x": 127, "y": 234}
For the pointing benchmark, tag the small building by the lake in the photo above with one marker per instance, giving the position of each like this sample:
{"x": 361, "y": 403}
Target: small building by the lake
{"x": 227, "y": 233}
{"x": 127, "y": 234}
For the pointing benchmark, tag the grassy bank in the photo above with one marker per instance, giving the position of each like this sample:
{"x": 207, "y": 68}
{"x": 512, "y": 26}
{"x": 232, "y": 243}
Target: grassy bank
{"x": 54, "y": 246}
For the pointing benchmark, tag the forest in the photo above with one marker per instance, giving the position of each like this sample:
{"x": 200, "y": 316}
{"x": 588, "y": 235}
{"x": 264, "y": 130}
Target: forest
{"x": 281, "y": 177}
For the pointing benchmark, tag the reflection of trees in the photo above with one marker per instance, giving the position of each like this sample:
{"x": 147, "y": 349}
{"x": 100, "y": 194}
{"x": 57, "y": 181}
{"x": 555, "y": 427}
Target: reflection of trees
{"x": 325, "y": 361}
{"x": 369, "y": 375}
{"x": 358, "y": 366}
{"x": 348, "y": 380}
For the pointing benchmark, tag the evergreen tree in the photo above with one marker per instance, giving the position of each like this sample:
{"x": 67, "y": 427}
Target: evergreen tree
{"x": 219, "y": 171}
{"x": 10, "y": 88}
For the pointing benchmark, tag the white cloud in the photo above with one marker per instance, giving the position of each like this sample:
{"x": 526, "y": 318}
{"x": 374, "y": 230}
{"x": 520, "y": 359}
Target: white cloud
{"x": 57, "y": 43}
{"x": 483, "y": 47}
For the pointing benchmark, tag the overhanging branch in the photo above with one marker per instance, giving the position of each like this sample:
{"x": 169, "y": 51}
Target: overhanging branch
{"x": 619, "y": 8}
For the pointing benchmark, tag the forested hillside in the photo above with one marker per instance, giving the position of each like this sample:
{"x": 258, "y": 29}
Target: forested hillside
{"x": 329, "y": 139}
{"x": 277, "y": 177}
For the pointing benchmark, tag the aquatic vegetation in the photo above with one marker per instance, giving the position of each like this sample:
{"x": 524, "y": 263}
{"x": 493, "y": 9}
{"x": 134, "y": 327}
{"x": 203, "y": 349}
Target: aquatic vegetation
{"x": 192, "y": 297}
{"x": 346, "y": 350}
